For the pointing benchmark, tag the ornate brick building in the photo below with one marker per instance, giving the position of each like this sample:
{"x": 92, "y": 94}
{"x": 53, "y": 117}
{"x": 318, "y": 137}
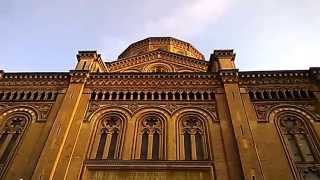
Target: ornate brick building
{"x": 160, "y": 111}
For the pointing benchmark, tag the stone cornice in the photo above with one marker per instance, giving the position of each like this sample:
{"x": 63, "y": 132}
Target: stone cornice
{"x": 87, "y": 54}
{"x": 79, "y": 76}
{"x": 229, "y": 76}
{"x": 274, "y": 77}
{"x": 35, "y": 79}
{"x": 315, "y": 74}
{"x": 184, "y": 60}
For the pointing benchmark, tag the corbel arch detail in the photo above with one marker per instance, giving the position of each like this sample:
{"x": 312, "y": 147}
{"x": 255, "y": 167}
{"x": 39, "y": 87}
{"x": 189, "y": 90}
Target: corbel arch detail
{"x": 158, "y": 67}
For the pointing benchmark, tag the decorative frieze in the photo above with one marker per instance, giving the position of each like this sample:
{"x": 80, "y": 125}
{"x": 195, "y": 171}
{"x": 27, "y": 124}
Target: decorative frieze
{"x": 134, "y": 106}
{"x": 263, "y": 109}
{"x": 274, "y": 77}
{"x": 170, "y": 57}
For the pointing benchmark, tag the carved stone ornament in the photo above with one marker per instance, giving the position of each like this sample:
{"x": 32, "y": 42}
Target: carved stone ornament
{"x": 309, "y": 171}
{"x": 292, "y": 125}
{"x": 151, "y": 125}
{"x": 191, "y": 125}
{"x": 42, "y": 109}
{"x": 262, "y": 109}
{"x": 14, "y": 125}
{"x": 111, "y": 125}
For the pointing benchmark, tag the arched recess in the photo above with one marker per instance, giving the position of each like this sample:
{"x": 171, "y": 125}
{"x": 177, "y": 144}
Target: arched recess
{"x": 158, "y": 67}
{"x": 109, "y": 126}
{"x": 192, "y": 132}
{"x": 132, "y": 71}
{"x": 300, "y": 142}
{"x": 150, "y": 134}
{"x": 13, "y": 125}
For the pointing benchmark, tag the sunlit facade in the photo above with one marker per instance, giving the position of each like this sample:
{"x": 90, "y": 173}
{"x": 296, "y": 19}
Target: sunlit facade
{"x": 160, "y": 111}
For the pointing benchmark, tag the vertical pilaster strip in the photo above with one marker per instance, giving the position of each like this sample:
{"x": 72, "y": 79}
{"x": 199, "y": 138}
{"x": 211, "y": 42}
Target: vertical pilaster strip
{"x": 243, "y": 135}
{"x": 55, "y": 145}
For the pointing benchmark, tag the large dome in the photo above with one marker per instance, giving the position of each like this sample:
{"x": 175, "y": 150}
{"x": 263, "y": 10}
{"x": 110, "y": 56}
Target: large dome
{"x": 164, "y": 43}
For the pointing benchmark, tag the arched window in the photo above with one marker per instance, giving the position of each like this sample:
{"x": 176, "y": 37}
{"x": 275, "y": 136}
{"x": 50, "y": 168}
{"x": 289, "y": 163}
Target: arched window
{"x": 107, "y": 140}
{"x": 10, "y": 135}
{"x": 297, "y": 138}
{"x": 192, "y": 138}
{"x": 150, "y": 138}
{"x": 301, "y": 145}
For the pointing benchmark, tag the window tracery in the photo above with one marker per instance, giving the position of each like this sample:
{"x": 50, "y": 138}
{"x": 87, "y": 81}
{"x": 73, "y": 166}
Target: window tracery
{"x": 301, "y": 145}
{"x": 192, "y": 139}
{"x": 108, "y": 138}
{"x": 10, "y": 135}
{"x": 150, "y": 138}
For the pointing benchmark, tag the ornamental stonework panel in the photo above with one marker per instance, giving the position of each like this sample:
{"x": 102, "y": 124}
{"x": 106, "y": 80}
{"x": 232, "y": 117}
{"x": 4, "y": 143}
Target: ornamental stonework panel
{"x": 42, "y": 109}
{"x": 262, "y": 108}
{"x": 135, "y": 106}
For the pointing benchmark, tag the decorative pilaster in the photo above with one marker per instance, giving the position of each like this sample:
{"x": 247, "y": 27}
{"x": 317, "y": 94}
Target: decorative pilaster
{"x": 223, "y": 63}
{"x": 54, "y": 159}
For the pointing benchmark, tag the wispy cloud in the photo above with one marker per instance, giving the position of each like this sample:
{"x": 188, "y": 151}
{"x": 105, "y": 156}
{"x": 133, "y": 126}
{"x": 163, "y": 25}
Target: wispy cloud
{"x": 189, "y": 19}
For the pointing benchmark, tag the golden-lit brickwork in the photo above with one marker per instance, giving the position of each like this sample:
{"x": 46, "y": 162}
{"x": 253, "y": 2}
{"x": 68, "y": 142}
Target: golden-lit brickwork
{"x": 160, "y": 111}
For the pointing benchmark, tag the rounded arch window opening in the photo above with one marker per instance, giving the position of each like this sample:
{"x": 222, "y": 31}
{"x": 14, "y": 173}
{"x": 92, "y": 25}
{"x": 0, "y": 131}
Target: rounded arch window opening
{"x": 108, "y": 137}
{"x": 150, "y": 137}
{"x": 192, "y": 138}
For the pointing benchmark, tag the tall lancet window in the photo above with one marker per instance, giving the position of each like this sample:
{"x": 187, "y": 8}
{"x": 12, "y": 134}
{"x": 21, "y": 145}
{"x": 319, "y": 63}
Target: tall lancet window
{"x": 301, "y": 145}
{"x": 192, "y": 139}
{"x": 297, "y": 139}
{"x": 10, "y": 135}
{"x": 108, "y": 138}
{"x": 150, "y": 138}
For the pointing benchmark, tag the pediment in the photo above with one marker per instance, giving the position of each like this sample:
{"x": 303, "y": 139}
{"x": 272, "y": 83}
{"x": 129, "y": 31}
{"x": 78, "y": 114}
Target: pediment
{"x": 158, "y": 61}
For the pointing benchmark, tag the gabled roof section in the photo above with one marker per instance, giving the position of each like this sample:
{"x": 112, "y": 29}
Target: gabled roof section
{"x": 158, "y": 59}
{"x": 168, "y": 44}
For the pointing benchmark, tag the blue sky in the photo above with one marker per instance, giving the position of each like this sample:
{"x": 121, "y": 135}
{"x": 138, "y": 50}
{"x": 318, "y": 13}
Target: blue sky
{"x": 43, "y": 35}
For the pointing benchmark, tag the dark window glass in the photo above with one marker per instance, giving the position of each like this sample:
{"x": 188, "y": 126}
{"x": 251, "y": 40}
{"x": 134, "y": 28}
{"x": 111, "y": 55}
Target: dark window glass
{"x": 199, "y": 144}
{"x": 205, "y": 96}
{"x": 155, "y": 146}
{"x": 177, "y": 96}
{"x": 101, "y": 146}
{"x": 251, "y": 95}
{"x": 144, "y": 146}
{"x": 9, "y": 148}
{"x": 187, "y": 146}
{"x": 156, "y": 96}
